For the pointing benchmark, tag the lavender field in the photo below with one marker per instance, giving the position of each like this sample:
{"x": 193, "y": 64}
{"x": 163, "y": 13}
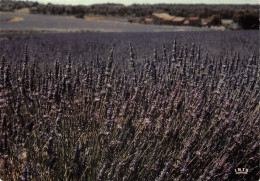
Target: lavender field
{"x": 130, "y": 106}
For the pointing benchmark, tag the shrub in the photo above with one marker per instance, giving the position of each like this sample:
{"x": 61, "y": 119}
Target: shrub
{"x": 247, "y": 20}
{"x": 215, "y": 20}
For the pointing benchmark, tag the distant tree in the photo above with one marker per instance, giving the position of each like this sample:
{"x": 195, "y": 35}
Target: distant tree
{"x": 247, "y": 20}
{"x": 215, "y": 20}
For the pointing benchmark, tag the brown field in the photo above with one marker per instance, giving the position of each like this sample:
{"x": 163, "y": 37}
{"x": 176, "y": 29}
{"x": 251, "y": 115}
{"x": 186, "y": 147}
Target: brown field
{"x": 23, "y": 10}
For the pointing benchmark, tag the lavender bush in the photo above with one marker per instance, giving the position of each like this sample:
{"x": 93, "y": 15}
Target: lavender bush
{"x": 173, "y": 113}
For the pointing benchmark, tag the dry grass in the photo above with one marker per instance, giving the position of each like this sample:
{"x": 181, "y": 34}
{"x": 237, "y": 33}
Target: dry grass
{"x": 98, "y": 18}
{"x": 16, "y": 19}
{"x": 23, "y": 10}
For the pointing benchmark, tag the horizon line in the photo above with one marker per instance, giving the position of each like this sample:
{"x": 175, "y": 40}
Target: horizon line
{"x": 79, "y": 4}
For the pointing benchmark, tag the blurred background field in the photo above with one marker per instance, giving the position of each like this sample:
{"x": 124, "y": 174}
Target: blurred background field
{"x": 55, "y": 23}
{"x": 28, "y": 17}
